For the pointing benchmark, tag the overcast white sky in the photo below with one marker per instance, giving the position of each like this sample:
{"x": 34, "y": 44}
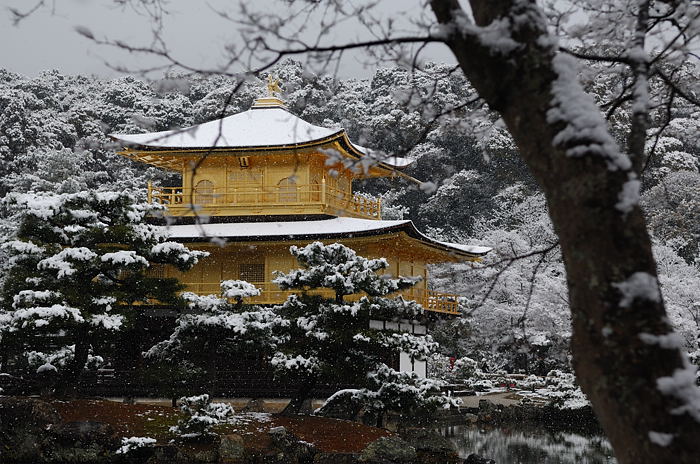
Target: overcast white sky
{"x": 195, "y": 33}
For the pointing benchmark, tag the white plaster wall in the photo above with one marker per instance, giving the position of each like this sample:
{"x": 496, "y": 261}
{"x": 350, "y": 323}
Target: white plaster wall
{"x": 405, "y": 364}
{"x": 420, "y": 368}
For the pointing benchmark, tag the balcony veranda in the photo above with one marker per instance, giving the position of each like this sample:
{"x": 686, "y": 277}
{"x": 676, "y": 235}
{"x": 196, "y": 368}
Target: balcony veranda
{"x": 293, "y": 199}
{"x": 270, "y": 293}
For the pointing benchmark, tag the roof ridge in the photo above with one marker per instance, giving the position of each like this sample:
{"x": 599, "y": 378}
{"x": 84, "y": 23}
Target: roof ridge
{"x": 268, "y": 102}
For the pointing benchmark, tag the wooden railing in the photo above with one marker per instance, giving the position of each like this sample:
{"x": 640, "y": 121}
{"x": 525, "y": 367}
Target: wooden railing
{"x": 322, "y": 196}
{"x": 439, "y": 302}
{"x": 271, "y": 294}
{"x": 357, "y": 205}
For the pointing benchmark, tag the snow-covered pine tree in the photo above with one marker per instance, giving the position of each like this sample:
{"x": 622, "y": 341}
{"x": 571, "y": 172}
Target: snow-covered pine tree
{"x": 78, "y": 265}
{"x": 329, "y": 338}
{"x": 199, "y": 416}
{"x": 219, "y": 327}
{"x": 389, "y": 390}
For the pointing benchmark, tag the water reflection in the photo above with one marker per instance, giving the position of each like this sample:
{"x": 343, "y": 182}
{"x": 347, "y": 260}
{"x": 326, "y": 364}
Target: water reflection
{"x": 530, "y": 446}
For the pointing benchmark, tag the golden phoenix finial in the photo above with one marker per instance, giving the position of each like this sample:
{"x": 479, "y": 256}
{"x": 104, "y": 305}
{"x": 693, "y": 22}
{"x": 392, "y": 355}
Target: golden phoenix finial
{"x": 273, "y": 86}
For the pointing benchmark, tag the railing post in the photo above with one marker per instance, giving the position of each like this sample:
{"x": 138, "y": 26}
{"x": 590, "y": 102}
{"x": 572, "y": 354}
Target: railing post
{"x": 323, "y": 192}
{"x": 148, "y": 195}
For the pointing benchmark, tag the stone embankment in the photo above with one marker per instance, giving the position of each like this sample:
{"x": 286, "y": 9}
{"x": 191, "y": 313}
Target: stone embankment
{"x": 500, "y": 410}
{"x": 91, "y": 431}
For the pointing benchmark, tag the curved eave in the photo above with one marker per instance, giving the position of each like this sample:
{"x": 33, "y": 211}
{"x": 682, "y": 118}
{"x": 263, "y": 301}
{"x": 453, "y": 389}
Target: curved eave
{"x": 171, "y": 157}
{"x": 454, "y": 251}
{"x": 209, "y": 149}
{"x": 358, "y": 154}
{"x": 168, "y": 157}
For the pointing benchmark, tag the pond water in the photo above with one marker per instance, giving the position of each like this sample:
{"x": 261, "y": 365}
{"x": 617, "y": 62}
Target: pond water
{"x": 530, "y": 445}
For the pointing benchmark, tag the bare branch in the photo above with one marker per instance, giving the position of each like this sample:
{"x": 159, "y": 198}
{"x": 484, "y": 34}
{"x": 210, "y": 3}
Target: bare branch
{"x": 676, "y": 88}
{"x": 19, "y": 16}
{"x": 595, "y": 57}
{"x": 508, "y": 262}
{"x": 667, "y": 121}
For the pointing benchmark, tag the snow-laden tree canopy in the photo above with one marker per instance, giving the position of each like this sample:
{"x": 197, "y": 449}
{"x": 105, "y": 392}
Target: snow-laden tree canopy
{"x": 212, "y": 327}
{"x": 338, "y": 268}
{"x": 329, "y": 336}
{"x": 78, "y": 265}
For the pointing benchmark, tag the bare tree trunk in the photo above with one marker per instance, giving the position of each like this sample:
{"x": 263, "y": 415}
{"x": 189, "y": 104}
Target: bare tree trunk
{"x": 68, "y": 385}
{"x": 135, "y": 369}
{"x": 636, "y": 140}
{"x": 297, "y": 404}
{"x": 602, "y": 233}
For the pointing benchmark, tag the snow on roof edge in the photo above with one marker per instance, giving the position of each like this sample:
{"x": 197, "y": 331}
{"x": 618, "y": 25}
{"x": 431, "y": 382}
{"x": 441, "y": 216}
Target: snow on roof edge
{"x": 381, "y": 158}
{"x": 479, "y": 250}
{"x": 471, "y": 249}
{"x": 265, "y": 127}
{"x": 339, "y": 225}
{"x": 317, "y": 228}
{"x": 259, "y": 127}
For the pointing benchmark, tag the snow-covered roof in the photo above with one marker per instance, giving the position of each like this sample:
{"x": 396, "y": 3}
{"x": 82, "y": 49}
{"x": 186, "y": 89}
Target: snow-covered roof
{"x": 323, "y": 228}
{"x": 335, "y": 226}
{"x": 393, "y": 161}
{"x": 479, "y": 250}
{"x": 257, "y": 127}
{"x": 262, "y": 126}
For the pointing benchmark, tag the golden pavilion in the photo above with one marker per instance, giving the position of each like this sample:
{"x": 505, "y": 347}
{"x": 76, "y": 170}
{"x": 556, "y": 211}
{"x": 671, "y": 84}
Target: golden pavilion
{"x": 265, "y": 179}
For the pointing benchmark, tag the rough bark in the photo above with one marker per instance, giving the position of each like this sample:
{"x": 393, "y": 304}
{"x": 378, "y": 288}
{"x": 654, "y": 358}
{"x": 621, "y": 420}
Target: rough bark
{"x": 601, "y": 245}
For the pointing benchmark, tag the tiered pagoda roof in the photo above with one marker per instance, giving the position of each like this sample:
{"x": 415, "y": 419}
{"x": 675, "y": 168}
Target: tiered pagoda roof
{"x": 267, "y": 126}
{"x": 341, "y": 227}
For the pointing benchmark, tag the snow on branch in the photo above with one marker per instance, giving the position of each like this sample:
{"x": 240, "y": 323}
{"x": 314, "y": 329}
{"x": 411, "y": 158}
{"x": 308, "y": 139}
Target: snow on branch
{"x": 40, "y": 316}
{"x": 497, "y": 36}
{"x": 682, "y": 386}
{"x": 177, "y": 252}
{"x": 124, "y": 258}
{"x": 296, "y": 363}
{"x": 339, "y": 268}
{"x": 638, "y": 286}
{"x": 63, "y": 262}
{"x": 238, "y": 289}
{"x": 59, "y": 359}
{"x": 584, "y": 131}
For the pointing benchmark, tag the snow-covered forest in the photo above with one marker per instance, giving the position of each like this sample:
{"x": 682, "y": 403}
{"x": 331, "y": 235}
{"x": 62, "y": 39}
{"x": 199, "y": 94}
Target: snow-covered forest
{"x": 563, "y": 135}
{"x": 476, "y": 188}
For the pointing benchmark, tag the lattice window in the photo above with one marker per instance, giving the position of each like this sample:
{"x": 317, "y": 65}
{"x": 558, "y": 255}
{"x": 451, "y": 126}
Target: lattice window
{"x": 204, "y": 192}
{"x": 287, "y": 190}
{"x": 252, "y": 272}
{"x": 157, "y": 270}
